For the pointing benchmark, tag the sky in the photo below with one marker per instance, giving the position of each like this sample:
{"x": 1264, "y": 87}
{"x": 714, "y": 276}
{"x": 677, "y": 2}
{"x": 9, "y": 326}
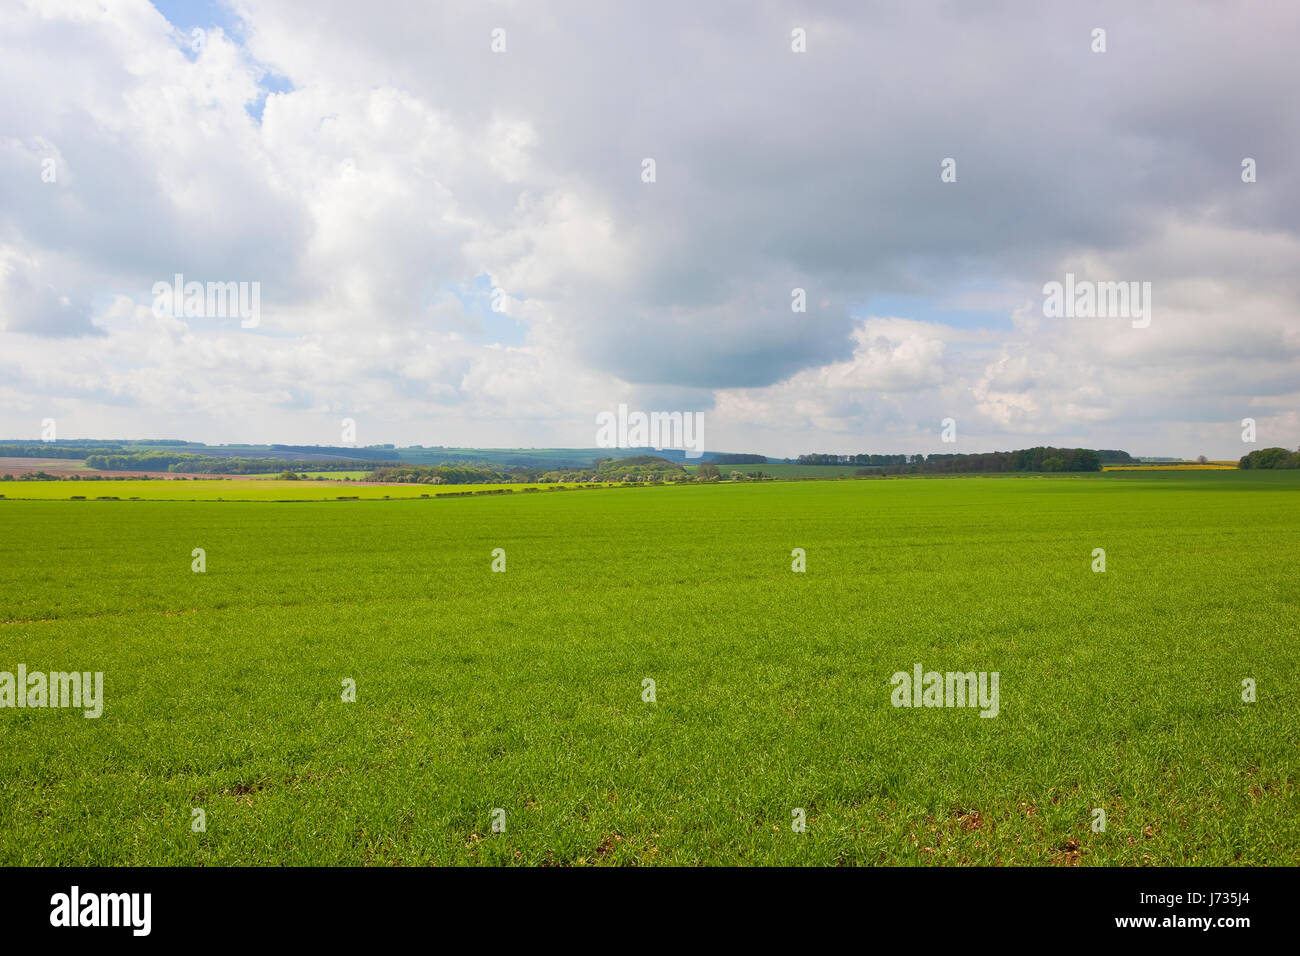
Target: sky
{"x": 446, "y": 210}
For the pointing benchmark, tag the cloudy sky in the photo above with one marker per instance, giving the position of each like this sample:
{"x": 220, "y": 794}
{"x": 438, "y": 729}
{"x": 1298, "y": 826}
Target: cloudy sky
{"x": 386, "y": 176}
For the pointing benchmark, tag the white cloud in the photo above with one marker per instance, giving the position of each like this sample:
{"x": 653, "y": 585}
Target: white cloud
{"x": 407, "y": 164}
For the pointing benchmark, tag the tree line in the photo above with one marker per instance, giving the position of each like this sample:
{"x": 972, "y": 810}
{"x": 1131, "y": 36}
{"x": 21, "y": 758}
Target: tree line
{"x": 1041, "y": 458}
{"x": 1270, "y": 458}
{"x": 185, "y": 462}
{"x": 633, "y": 469}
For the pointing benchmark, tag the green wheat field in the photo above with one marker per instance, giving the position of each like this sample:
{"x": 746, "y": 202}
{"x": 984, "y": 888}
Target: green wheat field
{"x": 522, "y": 691}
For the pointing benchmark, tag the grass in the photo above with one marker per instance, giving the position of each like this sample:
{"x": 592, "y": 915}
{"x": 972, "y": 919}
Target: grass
{"x": 243, "y": 489}
{"x": 522, "y": 691}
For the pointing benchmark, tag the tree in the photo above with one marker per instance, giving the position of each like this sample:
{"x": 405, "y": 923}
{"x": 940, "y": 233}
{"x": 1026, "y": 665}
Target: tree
{"x": 1270, "y": 458}
{"x": 707, "y": 471}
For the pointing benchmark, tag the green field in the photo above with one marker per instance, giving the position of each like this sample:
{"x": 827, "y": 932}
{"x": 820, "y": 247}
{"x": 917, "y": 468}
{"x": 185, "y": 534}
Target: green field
{"x": 784, "y": 470}
{"x": 244, "y": 489}
{"x": 523, "y": 690}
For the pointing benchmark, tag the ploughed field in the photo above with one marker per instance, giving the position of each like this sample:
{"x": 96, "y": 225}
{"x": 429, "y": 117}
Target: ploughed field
{"x": 523, "y": 691}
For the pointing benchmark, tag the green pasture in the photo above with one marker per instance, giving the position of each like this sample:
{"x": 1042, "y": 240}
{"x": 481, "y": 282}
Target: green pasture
{"x": 523, "y": 692}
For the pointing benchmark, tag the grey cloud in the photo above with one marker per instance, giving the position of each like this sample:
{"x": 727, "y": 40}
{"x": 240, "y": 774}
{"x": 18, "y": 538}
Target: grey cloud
{"x": 825, "y": 165}
{"x": 30, "y": 304}
{"x": 775, "y": 170}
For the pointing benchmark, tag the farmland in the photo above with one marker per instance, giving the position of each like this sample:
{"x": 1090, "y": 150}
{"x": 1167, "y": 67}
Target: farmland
{"x": 790, "y": 470}
{"x": 247, "y": 489}
{"x": 523, "y": 691}
{"x": 1179, "y": 466}
{"x": 327, "y": 475}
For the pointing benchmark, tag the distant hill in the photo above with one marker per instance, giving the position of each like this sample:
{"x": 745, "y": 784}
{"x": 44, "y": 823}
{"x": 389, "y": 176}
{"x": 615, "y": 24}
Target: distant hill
{"x": 185, "y": 456}
{"x": 82, "y": 448}
{"x": 162, "y": 454}
{"x": 546, "y": 458}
